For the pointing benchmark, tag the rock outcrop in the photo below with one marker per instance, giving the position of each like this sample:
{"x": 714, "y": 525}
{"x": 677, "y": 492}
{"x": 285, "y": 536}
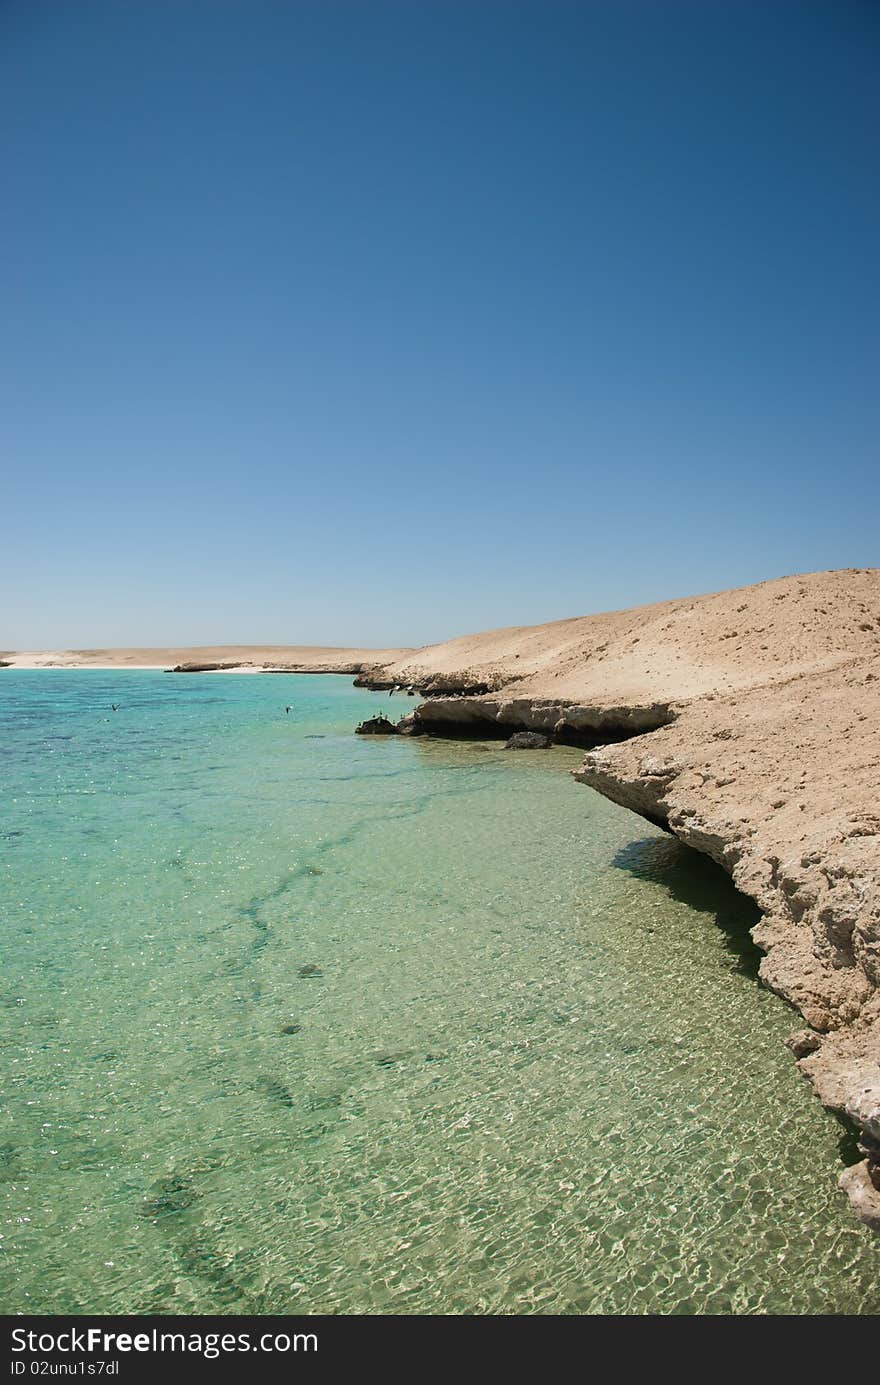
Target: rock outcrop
{"x": 203, "y": 668}
{"x": 571, "y": 723}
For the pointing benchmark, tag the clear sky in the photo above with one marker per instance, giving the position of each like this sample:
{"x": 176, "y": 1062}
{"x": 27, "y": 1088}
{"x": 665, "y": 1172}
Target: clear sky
{"x": 380, "y": 322}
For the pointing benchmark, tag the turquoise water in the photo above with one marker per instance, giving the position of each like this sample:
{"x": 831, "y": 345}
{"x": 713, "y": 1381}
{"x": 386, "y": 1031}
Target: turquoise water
{"x": 298, "y": 1021}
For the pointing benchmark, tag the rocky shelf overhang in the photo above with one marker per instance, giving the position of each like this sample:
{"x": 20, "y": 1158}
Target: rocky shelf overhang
{"x": 568, "y": 723}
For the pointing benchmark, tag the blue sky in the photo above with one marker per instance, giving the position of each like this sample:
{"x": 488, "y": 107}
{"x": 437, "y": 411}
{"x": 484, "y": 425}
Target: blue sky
{"x": 380, "y": 322}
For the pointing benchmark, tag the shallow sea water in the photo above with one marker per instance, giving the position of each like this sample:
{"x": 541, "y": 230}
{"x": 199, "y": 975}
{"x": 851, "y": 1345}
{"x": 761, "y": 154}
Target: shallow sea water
{"x": 298, "y": 1021}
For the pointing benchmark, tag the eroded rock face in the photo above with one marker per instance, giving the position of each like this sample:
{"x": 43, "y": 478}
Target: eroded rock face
{"x": 373, "y": 676}
{"x": 561, "y": 721}
{"x": 795, "y": 827}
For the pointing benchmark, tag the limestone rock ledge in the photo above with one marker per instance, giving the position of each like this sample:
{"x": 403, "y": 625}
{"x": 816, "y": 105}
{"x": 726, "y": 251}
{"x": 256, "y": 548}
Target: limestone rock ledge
{"x": 501, "y": 716}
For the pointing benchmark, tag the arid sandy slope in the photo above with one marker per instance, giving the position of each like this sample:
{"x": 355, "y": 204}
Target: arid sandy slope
{"x": 675, "y": 650}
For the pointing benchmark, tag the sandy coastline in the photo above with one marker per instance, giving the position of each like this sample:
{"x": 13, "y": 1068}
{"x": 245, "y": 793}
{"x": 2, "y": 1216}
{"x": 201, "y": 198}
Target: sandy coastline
{"x": 238, "y": 658}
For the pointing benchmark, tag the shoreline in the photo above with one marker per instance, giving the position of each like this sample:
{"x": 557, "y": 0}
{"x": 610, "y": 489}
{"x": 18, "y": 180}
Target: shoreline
{"x": 163, "y": 668}
{"x": 839, "y": 1050}
{"x": 758, "y": 750}
{"x": 743, "y": 722}
{"x": 247, "y": 659}
{"x": 376, "y": 930}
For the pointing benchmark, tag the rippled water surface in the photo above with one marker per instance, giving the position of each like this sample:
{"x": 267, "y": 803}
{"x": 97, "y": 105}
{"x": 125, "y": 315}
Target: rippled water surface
{"x": 298, "y": 1021}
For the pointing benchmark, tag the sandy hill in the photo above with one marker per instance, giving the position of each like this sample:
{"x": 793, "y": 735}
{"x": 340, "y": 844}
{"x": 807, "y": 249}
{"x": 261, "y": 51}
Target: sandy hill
{"x": 671, "y": 651}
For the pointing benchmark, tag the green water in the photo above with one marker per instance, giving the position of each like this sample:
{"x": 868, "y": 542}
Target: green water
{"x": 530, "y": 1067}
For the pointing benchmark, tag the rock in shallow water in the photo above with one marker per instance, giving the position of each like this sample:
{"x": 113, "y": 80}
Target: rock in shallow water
{"x": 803, "y": 1041}
{"x": 528, "y": 740}
{"x": 865, "y": 1198}
{"x": 172, "y": 1194}
{"x": 377, "y": 726}
{"x": 409, "y": 726}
